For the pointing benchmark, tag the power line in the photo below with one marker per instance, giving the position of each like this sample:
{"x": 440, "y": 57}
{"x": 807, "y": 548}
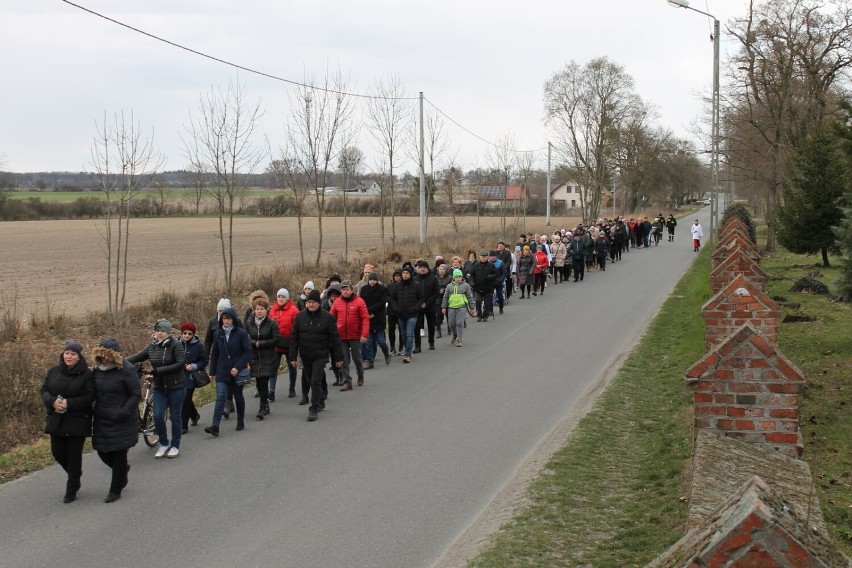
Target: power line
{"x": 289, "y": 81}
{"x": 230, "y": 63}
{"x": 477, "y": 136}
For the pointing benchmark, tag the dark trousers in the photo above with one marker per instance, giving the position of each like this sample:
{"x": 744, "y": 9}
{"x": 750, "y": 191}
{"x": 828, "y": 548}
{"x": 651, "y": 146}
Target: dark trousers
{"x": 484, "y": 303}
{"x": 189, "y": 411}
{"x": 566, "y": 271}
{"x": 538, "y": 282}
{"x": 602, "y": 261}
{"x": 117, "y": 461}
{"x": 313, "y": 373}
{"x": 393, "y": 327}
{"x": 579, "y": 268}
{"x": 68, "y": 452}
{"x": 262, "y": 384}
{"x": 429, "y": 318}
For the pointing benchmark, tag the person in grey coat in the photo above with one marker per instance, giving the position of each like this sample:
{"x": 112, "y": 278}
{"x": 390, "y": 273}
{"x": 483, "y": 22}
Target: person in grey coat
{"x": 116, "y": 425}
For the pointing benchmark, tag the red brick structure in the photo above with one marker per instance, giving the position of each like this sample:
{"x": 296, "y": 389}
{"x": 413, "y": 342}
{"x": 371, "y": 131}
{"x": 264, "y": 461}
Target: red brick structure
{"x": 724, "y": 249}
{"x": 745, "y": 388}
{"x": 755, "y": 528}
{"x": 738, "y": 303}
{"x": 735, "y": 223}
{"x": 737, "y": 263}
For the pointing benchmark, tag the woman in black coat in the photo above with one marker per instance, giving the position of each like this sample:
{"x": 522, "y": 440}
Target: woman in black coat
{"x": 116, "y": 425}
{"x": 68, "y": 392}
{"x": 194, "y": 363}
{"x": 263, "y": 333}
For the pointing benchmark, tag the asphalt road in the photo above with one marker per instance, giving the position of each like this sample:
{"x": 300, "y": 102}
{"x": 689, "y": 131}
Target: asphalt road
{"x": 390, "y": 474}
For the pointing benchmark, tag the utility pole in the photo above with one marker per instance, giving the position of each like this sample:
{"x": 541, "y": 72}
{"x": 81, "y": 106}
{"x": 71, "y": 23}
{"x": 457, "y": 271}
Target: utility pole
{"x": 548, "y": 184}
{"x": 422, "y": 177}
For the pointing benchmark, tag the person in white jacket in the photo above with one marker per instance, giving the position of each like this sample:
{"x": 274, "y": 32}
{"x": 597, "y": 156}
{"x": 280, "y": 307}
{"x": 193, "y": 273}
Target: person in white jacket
{"x": 697, "y": 235}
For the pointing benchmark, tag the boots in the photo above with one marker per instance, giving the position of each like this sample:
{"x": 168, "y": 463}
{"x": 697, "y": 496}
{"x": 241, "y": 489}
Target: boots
{"x": 71, "y": 488}
{"x": 438, "y": 331}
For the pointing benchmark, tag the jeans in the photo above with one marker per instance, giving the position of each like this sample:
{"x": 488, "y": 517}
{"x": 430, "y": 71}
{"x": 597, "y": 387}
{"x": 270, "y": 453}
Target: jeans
{"x": 172, "y": 400}
{"x": 273, "y": 380}
{"x": 406, "y": 330}
{"x": 393, "y": 327}
{"x": 224, "y": 389}
{"x": 376, "y": 340}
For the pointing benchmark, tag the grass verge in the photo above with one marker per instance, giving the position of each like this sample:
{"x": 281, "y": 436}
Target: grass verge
{"x": 614, "y": 495}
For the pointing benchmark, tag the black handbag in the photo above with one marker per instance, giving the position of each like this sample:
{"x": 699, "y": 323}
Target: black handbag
{"x": 200, "y": 378}
{"x": 243, "y": 377}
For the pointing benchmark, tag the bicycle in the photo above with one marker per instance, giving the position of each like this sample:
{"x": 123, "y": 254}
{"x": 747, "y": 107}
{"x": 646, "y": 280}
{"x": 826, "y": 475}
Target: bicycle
{"x": 146, "y": 411}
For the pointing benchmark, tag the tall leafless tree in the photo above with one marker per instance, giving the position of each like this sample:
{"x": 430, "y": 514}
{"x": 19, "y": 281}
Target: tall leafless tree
{"x": 320, "y": 114}
{"x": 221, "y": 143}
{"x": 783, "y": 83}
{"x": 501, "y": 158}
{"x": 583, "y": 107}
{"x": 124, "y": 164}
{"x": 350, "y": 160}
{"x": 389, "y": 114}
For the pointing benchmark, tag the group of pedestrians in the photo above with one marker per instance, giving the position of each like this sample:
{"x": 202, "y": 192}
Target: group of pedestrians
{"x": 348, "y": 324}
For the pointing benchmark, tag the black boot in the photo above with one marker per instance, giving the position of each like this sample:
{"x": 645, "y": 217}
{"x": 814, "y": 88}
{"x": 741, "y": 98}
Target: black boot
{"x": 71, "y": 489}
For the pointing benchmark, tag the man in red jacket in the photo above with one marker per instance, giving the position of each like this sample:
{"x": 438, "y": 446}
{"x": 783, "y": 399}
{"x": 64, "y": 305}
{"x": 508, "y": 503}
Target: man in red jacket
{"x": 353, "y": 325}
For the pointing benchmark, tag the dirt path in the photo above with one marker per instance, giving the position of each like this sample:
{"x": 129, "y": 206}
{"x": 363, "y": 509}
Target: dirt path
{"x": 59, "y": 265}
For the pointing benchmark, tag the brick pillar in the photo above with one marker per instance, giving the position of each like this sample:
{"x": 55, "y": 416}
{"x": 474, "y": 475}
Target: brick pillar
{"x": 738, "y": 303}
{"x": 745, "y": 388}
{"x": 737, "y": 263}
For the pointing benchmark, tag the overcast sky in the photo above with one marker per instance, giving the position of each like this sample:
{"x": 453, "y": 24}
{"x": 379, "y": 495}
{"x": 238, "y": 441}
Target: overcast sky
{"x": 482, "y": 63}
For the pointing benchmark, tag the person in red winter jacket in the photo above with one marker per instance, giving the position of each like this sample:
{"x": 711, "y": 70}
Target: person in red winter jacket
{"x": 353, "y": 325}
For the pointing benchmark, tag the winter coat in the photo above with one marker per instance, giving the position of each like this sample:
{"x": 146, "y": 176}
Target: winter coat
{"x": 117, "y": 394}
{"x": 353, "y": 320}
{"x": 284, "y": 317}
{"x": 194, "y": 354}
{"x": 482, "y": 277}
{"x": 541, "y": 262}
{"x": 443, "y": 282}
{"x": 602, "y": 247}
{"x": 264, "y": 361}
{"x": 526, "y": 264}
{"x": 577, "y": 248}
{"x": 313, "y": 336}
{"x": 229, "y": 352}
{"x": 431, "y": 291}
{"x": 376, "y": 299}
{"x": 462, "y": 289}
{"x": 166, "y": 358}
{"x": 390, "y": 310}
{"x": 560, "y": 253}
{"x": 405, "y": 297}
{"x": 77, "y": 386}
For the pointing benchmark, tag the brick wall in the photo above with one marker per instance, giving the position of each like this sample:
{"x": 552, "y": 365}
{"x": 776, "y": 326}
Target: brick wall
{"x": 740, "y": 302}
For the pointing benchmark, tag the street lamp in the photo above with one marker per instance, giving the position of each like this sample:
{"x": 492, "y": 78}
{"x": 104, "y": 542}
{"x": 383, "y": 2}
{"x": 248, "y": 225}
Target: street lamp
{"x": 714, "y": 144}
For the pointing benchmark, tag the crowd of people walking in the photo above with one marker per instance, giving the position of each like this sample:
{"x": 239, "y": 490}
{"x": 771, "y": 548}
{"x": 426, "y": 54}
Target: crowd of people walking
{"x": 340, "y": 329}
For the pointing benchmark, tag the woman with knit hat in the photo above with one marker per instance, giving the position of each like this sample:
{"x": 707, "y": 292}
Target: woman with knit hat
{"x": 68, "y": 392}
{"x": 284, "y": 312}
{"x": 165, "y": 354}
{"x": 116, "y": 425}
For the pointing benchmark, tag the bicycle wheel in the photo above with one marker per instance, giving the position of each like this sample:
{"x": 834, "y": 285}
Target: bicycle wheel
{"x": 149, "y": 433}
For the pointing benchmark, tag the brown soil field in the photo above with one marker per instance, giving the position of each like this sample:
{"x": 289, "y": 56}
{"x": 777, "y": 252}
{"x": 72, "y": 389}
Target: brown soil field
{"x": 60, "y": 265}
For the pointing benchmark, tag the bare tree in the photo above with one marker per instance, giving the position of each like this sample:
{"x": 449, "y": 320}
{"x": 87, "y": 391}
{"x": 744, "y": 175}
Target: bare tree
{"x": 389, "y": 113}
{"x": 350, "y": 160}
{"x": 124, "y": 164}
{"x": 319, "y": 115}
{"x": 792, "y": 53}
{"x": 583, "y": 107}
{"x": 501, "y": 159}
{"x": 286, "y": 175}
{"x": 450, "y": 181}
{"x": 525, "y": 162}
{"x": 220, "y": 143}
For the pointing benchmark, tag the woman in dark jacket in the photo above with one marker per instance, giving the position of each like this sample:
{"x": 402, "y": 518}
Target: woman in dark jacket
{"x": 194, "y": 361}
{"x": 263, "y": 333}
{"x": 393, "y": 318}
{"x": 165, "y": 354}
{"x": 68, "y": 392}
{"x": 116, "y": 426}
{"x": 229, "y": 355}
{"x": 405, "y": 298}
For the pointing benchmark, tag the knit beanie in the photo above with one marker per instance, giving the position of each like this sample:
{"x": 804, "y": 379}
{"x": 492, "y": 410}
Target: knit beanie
{"x": 73, "y": 345}
{"x": 223, "y": 303}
